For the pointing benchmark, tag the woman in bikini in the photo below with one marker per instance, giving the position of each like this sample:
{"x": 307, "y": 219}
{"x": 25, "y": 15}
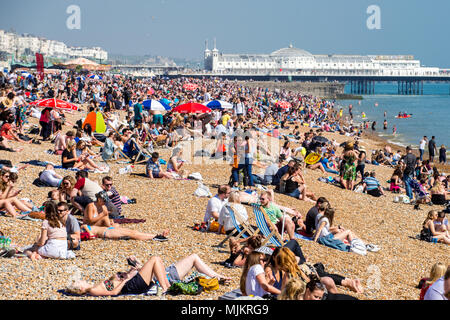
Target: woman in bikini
{"x": 140, "y": 278}
{"x": 119, "y": 233}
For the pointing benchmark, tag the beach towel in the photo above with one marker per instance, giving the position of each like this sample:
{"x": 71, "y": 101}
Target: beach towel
{"x": 128, "y": 221}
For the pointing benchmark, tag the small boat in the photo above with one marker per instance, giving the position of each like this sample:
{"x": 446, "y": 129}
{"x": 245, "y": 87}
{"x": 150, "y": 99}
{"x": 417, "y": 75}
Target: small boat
{"x": 404, "y": 116}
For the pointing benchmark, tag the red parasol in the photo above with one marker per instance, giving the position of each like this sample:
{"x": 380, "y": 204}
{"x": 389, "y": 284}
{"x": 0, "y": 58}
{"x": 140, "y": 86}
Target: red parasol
{"x": 192, "y": 108}
{"x": 190, "y": 86}
{"x": 283, "y": 104}
{"x": 55, "y": 103}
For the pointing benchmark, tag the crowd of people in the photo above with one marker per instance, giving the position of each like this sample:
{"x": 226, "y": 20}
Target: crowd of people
{"x": 241, "y": 138}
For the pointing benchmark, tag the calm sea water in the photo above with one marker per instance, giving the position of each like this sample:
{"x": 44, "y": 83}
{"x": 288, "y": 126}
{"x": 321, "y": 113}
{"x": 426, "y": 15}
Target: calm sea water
{"x": 430, "y": 113}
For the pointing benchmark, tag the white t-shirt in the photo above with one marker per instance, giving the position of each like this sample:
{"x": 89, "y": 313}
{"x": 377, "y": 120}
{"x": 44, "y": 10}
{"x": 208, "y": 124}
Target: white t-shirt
{"x": 214, "y": 205}
{"x": 48, "y": 176}
{"x": 225, "y": 218}
{"x": 423, "y": 142}
{"x": 326, "y": 229}
{"x": 252, "y": 286}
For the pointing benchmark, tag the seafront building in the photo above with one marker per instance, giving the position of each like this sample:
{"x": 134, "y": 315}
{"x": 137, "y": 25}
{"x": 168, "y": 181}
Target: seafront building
{"x": 28, "y": 45}
{"x": 294, "y": 61}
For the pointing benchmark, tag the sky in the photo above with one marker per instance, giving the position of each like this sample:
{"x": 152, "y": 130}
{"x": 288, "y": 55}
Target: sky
{"x": 179, "y": 28}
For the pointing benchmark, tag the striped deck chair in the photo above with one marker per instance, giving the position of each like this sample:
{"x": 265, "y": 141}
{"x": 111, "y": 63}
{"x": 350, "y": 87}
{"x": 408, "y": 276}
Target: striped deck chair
{"x": 268, "y": 229}
{"x": 246, "y": 228}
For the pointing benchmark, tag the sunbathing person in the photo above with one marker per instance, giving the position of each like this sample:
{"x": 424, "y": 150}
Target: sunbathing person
{"x": 176, "y": 163}
{"x": 153, "y": 168}
{"x": 4, "y": 146}
{"x": 295, "y": 185}
{"x": 119, "y": 233}
{"x": 96, "y": 213}
{"x": 139, "y": 279}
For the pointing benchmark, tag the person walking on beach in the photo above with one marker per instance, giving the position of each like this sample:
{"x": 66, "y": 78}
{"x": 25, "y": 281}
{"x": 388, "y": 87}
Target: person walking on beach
{"x": 422, "y": 145}
{"x": 409, "y": 161}
{"x": 442, "y": 155}
{"x": 432, "y": 149}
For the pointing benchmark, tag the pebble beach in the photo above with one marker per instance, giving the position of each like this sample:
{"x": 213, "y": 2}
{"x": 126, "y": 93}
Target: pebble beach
{"x": 390, "y": 274}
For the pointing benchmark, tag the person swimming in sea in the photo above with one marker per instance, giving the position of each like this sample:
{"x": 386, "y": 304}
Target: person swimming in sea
{"x": 385, "y": 124}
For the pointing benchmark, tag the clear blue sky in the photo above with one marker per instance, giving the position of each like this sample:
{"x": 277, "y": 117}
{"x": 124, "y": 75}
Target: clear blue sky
{"x": 178, "y": 28}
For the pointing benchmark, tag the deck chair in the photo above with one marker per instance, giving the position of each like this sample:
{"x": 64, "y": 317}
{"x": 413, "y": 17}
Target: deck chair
{"x": 268, "y": 229}
{"x": 241, "y": 233}
{"x": 144, "y": 153}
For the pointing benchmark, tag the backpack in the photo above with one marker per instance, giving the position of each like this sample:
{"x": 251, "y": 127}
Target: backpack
{"x": 358, "y": 246}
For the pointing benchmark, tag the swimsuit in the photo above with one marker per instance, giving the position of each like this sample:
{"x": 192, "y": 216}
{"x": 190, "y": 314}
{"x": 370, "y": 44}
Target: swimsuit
{"x": 104, "y": 233}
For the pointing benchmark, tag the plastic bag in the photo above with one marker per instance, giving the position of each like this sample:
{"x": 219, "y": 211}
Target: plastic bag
{"x": 202, "y": 191}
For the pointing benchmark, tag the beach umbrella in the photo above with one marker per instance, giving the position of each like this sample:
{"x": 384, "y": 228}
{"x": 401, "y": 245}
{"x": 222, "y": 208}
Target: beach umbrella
{"x": 155, "y": 105}
{"x": 192, "y": 107}
{"x": 95, "y": 77}
{"x": 218, "y": 104}
{"x": 320, "y": 139}
{"x": 81, "y": 78}
{"x": 283, "y": 104}
{"x": 165, "y": 101}
{"x": 55, "y": 103}
{"x": 190, "y": 86}
{"x": 97, "y": 122}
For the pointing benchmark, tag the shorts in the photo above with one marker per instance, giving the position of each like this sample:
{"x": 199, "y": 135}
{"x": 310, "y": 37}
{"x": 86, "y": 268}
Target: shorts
{"x": 296, "y": 193}
{"x": 135, "y": 285}
{"x": 172, "y": 274}
{"x": 158, "y": 118}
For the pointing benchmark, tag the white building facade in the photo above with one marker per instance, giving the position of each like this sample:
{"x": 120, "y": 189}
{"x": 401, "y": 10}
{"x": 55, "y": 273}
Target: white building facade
{"x": 293, "y": 61}
{"x": 29, "y": 45}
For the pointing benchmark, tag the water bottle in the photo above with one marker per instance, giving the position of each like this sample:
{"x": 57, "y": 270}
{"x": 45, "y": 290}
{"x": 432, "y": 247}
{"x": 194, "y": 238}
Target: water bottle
{"x": 434, "y": 240}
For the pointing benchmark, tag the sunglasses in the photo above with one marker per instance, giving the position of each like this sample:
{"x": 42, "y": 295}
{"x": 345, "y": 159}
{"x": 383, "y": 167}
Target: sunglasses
{"x": 108, "y": 185}
{"x": 61, "y": 211}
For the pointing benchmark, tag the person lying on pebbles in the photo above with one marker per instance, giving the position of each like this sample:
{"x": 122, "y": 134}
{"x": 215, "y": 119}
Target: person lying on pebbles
{"x": 139, "y": 279}
{"x": 119, "y": 233}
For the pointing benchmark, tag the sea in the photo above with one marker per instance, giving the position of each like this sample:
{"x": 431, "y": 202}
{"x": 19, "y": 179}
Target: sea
{"x": 430, "y": 113}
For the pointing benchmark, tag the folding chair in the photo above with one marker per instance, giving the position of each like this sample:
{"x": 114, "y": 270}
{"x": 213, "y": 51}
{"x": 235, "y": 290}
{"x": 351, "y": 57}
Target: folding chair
{"x": 268, "y": 229}
{"x": 143, "y": 153}
{"x": 246, "y": 228}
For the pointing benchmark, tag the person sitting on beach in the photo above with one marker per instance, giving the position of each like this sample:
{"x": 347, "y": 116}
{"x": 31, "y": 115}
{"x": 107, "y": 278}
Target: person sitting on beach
{"x": 50, "y": 177}
{"x": 71, "y": 224}
{"x": 325, "y": 229}
{"x": 395, "y": 181}
{"x": 253, "y": 280}
{"x": 438, "y": 193}
{"x": 52, "y": 242}
{"x": 153, "y": 168}
{"x": 4, "y": 146}
{"x": 69, "y": 159}
{"x": 280, "y": 173}
{"x": 120, "y": 233}
{"x": 96, "y": 213}
{"x": 429, "y": 232}
{"x": 225, "y": 221}
{"x": 140, "y": 278}
{"x": 61, "y": 141}
{"x": 294, "y": 290}
{"x": 175, "y": 163}
{"x": 275, "y": 215}
{"x": 437, "y": 271}
{"x": 216, "y": 203}
{"x": 7, "y": 131}
{"x": 88, "y": 189}
{"x": 113, "y": 194}
{"x": 440, "y": 289}
{"x": 372, "y": 186}
{"x": 8, "y": 195}
{"x": 295, "y": 185}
